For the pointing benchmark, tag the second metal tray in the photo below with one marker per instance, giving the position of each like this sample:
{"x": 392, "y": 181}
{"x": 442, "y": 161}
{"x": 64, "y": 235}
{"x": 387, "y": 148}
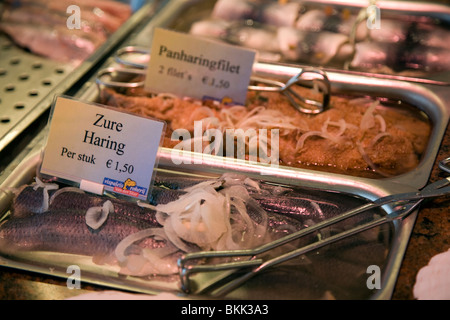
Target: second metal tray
{"x": 181, "y": 15}
{"x": 337, "y": 271}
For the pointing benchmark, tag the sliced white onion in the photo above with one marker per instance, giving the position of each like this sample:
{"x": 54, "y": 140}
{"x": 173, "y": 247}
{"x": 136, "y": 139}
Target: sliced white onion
{"x": 62, "y": 190}
{"x": 196, "y": 217}
{"x": 368, "y": 119}
{"x": 96, "y": 216}
{"x": 369, "y": 161}
{"x": 212, "y": 215}
{"x": 318, "y": 209}
{"x": 259, "y": 117}
{"x": 41, "y": 184}
{"x": 211, "y": 122}
{"x": 146, "y": 205}
{"x": 173, "y": 237}
{"x": 304, "y": 136}
{"x": 134, "y": 237}
{"x": 324, "y": 133}
{"x": 161, "y": 217}
{"x": 342, "y": 124}
{"x": 382, "y": 122}
{"x": 203, "y": 109}
{"x": 252, "y": 183}
{"x": 378, "y": 137}
{"x": 214, "y": 183}
{"x": 46, "y": 187}
{"x": 159, "y": 261}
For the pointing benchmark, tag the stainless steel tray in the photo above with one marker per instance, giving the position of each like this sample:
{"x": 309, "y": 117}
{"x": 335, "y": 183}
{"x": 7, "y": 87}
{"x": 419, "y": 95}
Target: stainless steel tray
{"x": 29, "y": 83}
{"x": 429, "y": 99}
{"x": 182, "y": 14}
{"x": 338, "y": 271}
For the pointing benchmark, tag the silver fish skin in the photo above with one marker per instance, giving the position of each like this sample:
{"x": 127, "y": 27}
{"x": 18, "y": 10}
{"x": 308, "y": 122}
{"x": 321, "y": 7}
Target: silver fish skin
{"x": 175, "y": 182}
{"x": 312, "y": 47}
{"x": 162, "y": 195}
{"x": 400, "y": 57}
{"x": 29, "y": 201}
{"x": 298, "y": 207}
{"x": 63, "y": 227}
{"x": 255, "y": 36}
{"x": 84, "y": 201}
{"x": 65, "y": 231}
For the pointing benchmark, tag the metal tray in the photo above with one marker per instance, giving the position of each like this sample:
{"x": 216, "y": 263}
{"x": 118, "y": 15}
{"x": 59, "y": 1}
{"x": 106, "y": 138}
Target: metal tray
{"x": 184, "y": 13}
{"x": 429, "y": 99}
{"x": 337, "y": 271}
{"x": 29, "y": 83}
{"x": 295, "y": 283}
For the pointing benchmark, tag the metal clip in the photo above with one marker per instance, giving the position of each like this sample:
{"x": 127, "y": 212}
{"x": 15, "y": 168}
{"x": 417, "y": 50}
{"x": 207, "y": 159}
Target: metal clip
{"x": 119, "y": 78}
{"x": 320, "y": 85}
{"x": 132, "y": 56}
{"x": 443, "y": 165}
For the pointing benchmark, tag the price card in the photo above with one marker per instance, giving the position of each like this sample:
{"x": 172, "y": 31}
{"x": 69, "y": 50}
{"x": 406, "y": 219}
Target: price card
{"x": 189, "y": 66}
{"x": 102, "y": 148}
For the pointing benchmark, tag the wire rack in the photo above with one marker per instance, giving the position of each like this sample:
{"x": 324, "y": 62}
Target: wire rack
{"x": 25, "y": 81}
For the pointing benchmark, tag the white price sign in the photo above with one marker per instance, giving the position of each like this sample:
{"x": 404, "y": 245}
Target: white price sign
{"x": 95, "y": 145}
{"x": 194, "y": 67}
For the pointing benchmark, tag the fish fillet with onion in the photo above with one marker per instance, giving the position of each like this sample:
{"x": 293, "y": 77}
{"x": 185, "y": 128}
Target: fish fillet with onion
{"x": 214, "y": 214}
{"x": 359, "y": 136}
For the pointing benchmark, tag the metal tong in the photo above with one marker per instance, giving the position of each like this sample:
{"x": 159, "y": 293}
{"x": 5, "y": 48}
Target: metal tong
{"x": 444, "y": 165}
{"x": 310, "y": 106}
{"x": 403, "y": 205}
{"x": 306, "y": 77}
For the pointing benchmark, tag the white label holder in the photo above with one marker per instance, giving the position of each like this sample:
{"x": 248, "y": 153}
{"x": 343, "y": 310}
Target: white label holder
{"x": 102, "y": 149}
